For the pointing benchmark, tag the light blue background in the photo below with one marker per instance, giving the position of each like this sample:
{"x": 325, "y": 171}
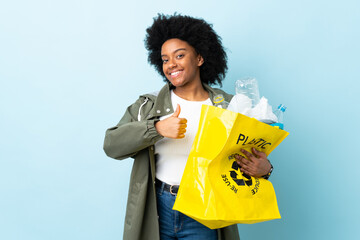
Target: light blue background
{"x": 69, "y": 69}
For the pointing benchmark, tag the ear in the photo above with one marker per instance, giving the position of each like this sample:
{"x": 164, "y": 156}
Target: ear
{"x": 200, "y": 60}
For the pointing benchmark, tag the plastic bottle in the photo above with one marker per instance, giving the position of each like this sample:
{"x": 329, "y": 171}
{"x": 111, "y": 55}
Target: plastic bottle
{"x": 279, "y": 113}
{"x": 220, "y": 101}
{"x": 248, "y": 87}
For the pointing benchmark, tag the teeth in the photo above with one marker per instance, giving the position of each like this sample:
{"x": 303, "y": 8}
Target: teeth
{"x": 174, "y": 73}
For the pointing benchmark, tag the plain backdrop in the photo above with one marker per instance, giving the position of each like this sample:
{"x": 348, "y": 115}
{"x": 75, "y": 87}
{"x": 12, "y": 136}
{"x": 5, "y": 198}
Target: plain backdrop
{"x": 69, "y": 69}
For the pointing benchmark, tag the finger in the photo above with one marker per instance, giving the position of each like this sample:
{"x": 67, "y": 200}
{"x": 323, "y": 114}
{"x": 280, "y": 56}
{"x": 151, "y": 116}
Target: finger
{"x": 181, "y": 135}
{"x": 249, "y": 168}
{"x": 245, "y": 167}
{"x": 247, "y": 154}
{"x": 258, "y": 154}
{"x": 246, "y": 171}
{"x": 255, "y": 152}
{"x": 182, "y": 120}
{"x": 238, "y": 157}
{"x": 177, "y": 111}
{"x": 182, "y": 130}
{"x": 243, "y": 162}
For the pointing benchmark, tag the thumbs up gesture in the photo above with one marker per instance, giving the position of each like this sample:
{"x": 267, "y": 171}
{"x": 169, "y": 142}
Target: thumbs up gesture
{"x": 173, "y": 126}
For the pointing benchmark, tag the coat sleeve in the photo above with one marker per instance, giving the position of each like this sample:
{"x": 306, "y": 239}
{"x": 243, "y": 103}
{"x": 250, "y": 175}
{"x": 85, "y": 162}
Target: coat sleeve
{"x": 130, "y": 135}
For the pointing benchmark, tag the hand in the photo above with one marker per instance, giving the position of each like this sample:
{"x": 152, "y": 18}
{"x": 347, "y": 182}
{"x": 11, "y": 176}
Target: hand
{"x": 257, "y": 164}
{"x": 173, "y": 126}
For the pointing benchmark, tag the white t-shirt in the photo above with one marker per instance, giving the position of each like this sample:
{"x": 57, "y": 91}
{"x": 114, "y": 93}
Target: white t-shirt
{"x": 172, "y": 154}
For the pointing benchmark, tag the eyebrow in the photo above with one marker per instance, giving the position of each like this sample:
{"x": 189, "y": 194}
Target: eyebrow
{"x": 163, "y": 55}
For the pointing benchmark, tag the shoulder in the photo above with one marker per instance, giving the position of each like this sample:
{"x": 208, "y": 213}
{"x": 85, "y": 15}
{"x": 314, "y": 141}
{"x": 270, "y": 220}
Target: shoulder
{"x": 149, "y": 97}
{"x": 216, "y": 91}
{"x": 226, "y": 95}
{"x": 143, "y": 102}
{"x": 153, "y": 96}
{"x": 146, "y": 103}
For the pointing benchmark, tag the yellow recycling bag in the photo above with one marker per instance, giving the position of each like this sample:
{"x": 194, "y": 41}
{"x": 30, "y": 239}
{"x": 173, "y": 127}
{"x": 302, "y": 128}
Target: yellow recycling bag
{"x": 213, "y": 190}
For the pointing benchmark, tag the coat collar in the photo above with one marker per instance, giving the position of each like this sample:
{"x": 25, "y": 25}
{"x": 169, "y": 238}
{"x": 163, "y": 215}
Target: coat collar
{"x": 163, "y": 105}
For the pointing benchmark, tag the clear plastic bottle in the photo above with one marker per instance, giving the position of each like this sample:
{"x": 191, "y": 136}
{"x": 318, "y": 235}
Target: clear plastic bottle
{"x": 279, "y": 113}
{"x": 220, "y": 102}
{"x": 248, "y": 87}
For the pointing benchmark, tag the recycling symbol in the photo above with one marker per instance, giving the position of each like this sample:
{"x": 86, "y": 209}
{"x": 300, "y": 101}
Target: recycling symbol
{"x": 235, "y": 172}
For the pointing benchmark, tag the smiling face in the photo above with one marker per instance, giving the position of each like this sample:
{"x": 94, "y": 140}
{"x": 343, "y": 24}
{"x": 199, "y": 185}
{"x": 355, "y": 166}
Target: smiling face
{"x": 181, "y": 63}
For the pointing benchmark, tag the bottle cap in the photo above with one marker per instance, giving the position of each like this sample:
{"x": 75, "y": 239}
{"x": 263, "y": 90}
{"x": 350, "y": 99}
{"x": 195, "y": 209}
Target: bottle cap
{"x": 282, "y": 108}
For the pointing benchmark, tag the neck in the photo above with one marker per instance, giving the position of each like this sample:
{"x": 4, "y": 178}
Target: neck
{"x": 192, "y": 93}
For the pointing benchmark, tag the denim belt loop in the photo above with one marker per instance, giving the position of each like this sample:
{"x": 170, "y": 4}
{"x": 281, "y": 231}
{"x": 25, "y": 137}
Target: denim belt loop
{"x": 160, "y": 189}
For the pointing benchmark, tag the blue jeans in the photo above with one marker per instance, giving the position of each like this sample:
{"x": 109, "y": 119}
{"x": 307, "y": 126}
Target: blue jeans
{"x": 175, "y": 225}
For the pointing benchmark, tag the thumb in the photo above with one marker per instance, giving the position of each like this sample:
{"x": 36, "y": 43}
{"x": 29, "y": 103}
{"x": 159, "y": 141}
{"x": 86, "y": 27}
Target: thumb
{"x": 177, "y": 111}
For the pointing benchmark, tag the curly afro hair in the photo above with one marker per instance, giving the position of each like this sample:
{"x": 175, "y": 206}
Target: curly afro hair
{"x": 197, "y": 33}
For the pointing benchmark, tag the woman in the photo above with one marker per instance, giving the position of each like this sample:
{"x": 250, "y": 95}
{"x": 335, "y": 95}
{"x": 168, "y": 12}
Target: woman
{"x": 158, "y": 129}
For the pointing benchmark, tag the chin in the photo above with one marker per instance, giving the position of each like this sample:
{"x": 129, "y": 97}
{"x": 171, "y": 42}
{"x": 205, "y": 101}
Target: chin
{"x": 177, "y": 83}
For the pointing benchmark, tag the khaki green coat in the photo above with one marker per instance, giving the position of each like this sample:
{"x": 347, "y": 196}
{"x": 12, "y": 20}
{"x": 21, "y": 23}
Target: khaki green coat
{"x": 134, "y": 136}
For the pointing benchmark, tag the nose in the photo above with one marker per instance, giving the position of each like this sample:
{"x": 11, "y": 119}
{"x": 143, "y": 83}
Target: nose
{"x": 172, "y": 63}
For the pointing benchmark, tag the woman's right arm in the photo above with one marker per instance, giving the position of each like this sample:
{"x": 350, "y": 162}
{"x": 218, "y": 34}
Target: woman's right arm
{"x": 130, "y": 135}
